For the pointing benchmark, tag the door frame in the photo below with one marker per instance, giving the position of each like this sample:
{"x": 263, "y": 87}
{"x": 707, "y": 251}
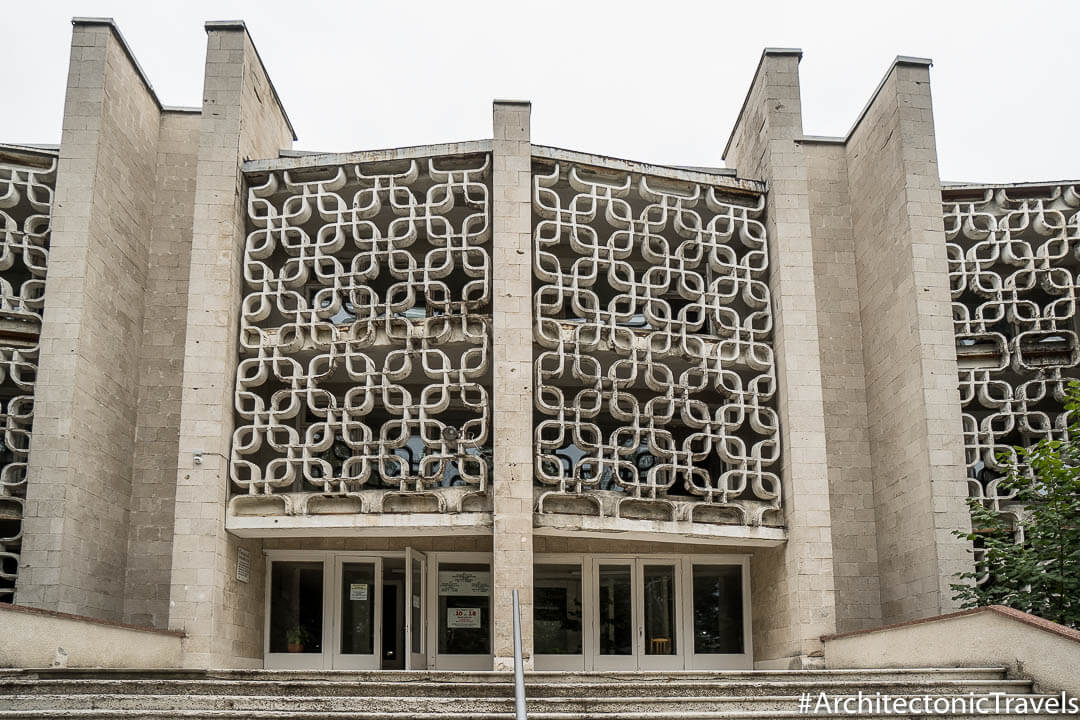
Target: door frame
{"x": 448, "y": 661}
{"x": 546, "y": 662}
{"x": 677, "y": 661}
{"x": 330, "y": 658}
{"x": 416, "y": 661}
{"x": 613, "y": 662}
{"x": 685, "y": 658}
{"x": 351, "y": 661}
{"x": 725, "y": 661}
{"x": 299, "y": 661}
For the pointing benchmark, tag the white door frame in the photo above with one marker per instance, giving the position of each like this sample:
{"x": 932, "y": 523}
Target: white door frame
{"x": 448, "y": 661}
{"x": 331, "y": 657}
{"x": 571, "y": 662}
{"x": 660, "y": 662}
{"x": 614, "y": 662}
{"x": 685, "y": 657}
{"x": 725, "y": 661}
{"x": 299, "y": 661}
{"x": 416, "y": 661}
{"x": 356, "y": 661}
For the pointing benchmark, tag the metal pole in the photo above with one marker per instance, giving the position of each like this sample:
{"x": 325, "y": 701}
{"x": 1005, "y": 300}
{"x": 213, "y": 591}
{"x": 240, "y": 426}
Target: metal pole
{"x": 519, "y": 670}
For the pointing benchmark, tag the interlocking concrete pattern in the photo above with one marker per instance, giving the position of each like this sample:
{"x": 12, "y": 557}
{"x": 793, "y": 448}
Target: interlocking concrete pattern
{"x": 365, "y": 335}
{"x": 654, "y": 366}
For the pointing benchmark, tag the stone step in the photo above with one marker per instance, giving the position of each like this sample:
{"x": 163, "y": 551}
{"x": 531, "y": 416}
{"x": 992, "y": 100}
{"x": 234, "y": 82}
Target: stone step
{"x": 718, "y": 686}
{"x": 292, "y": 715}
{"x": 129, "y": 704}
{"x": 487, "y": 677}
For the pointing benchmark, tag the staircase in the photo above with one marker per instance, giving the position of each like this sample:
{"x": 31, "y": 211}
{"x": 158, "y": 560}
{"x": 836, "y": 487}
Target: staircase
{"x": 262, "y": 695}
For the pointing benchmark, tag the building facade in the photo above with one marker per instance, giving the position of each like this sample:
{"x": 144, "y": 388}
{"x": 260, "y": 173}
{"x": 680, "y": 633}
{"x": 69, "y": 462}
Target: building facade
{"x": 327, "y": 411}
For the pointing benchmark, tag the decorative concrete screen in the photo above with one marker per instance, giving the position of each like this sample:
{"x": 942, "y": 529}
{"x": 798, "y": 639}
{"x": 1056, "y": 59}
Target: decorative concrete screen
{"x": 364, "y": 378}
{"x": 26, "y": 195}
{"x": 655, "y": 378}
{"x": 1014, "y": 265}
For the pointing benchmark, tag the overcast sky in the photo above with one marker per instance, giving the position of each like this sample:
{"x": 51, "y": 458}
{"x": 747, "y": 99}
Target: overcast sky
{"x": 655, "y": 81}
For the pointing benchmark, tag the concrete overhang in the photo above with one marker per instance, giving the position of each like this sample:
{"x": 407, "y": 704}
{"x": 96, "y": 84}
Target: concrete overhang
{"x": 612, "y": 528}
{"x": 720, "y": 177}
{"x": 300, "y": 160}
{"x": 360, "y": 525}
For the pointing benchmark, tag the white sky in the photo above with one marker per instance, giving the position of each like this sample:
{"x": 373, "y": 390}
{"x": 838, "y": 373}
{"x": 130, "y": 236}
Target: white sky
{"x": 659, "y": 81}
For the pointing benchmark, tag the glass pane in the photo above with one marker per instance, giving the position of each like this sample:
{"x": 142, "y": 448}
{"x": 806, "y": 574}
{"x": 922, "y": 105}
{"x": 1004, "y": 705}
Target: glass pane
{"x": 557, "y": 609}
{"x": 718, "y": 617}
{"x": 615, "y": 603}
{"x": 659, "y": 609}
{"x": 416, "y": 605}
{"x": 357, "y": 608}
{"x": 464, "y": 609}
{"x": 296, "y": 607}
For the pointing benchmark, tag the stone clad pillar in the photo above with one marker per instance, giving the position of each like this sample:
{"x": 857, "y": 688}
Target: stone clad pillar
{"x": 242, "y": 118}
{"x": 512, "y": 381}
{"x": 909, "y": 352}
{"x": 79, "y": 477}
{"x": 792, "y": 587}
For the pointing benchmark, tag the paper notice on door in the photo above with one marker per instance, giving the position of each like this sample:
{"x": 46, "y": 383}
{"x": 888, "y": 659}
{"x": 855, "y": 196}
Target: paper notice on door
{"x": 358, "y": 591}
{"x": 416, "y": 601}
{"x": 463, "y": 618}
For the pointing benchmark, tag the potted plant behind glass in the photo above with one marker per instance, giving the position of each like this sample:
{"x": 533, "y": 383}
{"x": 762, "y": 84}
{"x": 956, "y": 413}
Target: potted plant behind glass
{"x": 297, "y": 637}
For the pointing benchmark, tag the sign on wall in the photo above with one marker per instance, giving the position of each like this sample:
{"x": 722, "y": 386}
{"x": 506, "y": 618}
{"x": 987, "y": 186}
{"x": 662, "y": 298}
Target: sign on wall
{"x": 464, "y": 582}
{"x": 463, "y": 618}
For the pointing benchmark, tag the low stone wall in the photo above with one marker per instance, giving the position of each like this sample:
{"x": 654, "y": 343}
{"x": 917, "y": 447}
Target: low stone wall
{"x": 32, "y": 638}
{"x": 993, "y": 636}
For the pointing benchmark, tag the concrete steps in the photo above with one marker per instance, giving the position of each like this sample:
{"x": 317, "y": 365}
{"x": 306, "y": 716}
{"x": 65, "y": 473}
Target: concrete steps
{"x": 266, "y": 695}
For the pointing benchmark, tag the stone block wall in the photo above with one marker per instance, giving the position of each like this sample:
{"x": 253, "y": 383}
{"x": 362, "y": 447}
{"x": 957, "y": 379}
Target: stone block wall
{"x": 843, "y": 387}
{"x": 793, "y": 585}
{"x": 512, "y": 378}
{"x": 161, "y": 364}
{"x": 79, "y": 483}
{"x": 908, "y": 347}
{"x": 241, "y": 117}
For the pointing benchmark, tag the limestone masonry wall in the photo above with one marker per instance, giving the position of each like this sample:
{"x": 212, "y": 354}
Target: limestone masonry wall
{"x": 851, "y": 490}
{"x": 79, "y": 484}
{"x": 908, "y": 347}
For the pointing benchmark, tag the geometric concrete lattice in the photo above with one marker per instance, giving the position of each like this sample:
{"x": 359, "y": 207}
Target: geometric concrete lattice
{"x": 26, "y": 196}
{"x": 364, "y": 378}
{"x": 655, "y": 378}
{"x": 1014, "y": 268}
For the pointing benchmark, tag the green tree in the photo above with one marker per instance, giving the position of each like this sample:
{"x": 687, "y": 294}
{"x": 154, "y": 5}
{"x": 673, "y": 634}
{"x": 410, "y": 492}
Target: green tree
{"x": 1032, "y": 561}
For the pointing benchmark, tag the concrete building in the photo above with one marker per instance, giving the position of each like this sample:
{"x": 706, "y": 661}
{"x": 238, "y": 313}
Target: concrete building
{"x": 327, "y": 411}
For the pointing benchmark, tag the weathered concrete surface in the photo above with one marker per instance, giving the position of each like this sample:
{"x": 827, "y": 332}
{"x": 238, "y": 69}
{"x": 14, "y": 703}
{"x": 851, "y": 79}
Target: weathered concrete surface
{"x": 40, "y": 639}
{"x": 1028, "y": 646}
{"x": 512, "y": 391}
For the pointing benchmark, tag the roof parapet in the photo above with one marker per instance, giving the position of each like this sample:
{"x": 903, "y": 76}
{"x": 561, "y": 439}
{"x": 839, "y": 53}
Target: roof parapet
{"x": 241, "y": 25}
{"x": 797, "y": 52}
{"x": 111, "y": 24}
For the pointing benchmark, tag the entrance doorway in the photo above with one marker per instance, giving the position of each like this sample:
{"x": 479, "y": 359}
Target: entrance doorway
{"x": 646, "y": 612}
{"x": 393, "y": 616}
{"x": 346, "y": 611}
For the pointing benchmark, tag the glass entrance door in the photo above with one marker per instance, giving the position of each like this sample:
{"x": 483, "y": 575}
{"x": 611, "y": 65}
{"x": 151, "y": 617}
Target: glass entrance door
{"x": 296, "y": 618}
{"x": 636, "y": 614}
{"x": 358, "y": 608}
{"x": 462, "y": 612}
{"x": 415, "y": 592}
{"x": 616, "y": 610}
{"x": 659, "y": 620}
